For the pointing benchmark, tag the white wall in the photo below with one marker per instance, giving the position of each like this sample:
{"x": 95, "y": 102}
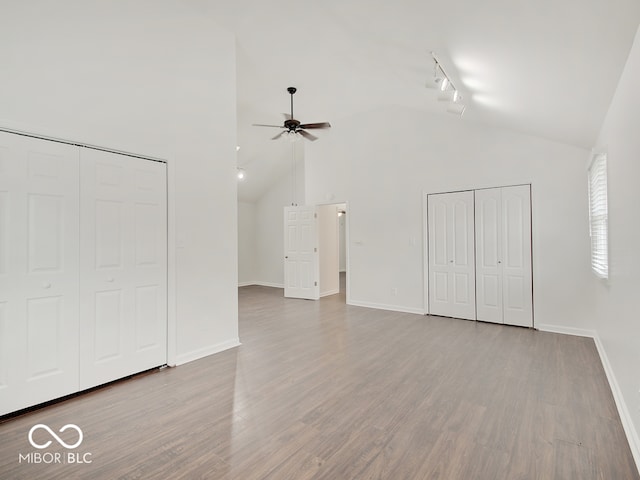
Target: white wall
{"x": 384, "y": 173}
{"x": 618, "y": 300}
{"x": 155, "y": 78}
{"x": 269, "y": 214}
{"x": 247, "y": 243}
{"x": 329, "y": 249}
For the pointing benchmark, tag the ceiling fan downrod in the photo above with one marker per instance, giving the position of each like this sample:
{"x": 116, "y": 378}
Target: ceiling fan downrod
{"x": 291, "y": 91}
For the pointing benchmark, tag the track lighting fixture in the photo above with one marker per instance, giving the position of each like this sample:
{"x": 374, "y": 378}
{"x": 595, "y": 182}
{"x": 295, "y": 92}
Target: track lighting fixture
{"x": 448, "y": 90}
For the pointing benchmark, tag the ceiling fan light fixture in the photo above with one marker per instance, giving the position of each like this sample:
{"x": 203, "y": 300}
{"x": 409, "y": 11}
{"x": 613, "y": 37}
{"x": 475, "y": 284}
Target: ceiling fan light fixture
{"x": 292, "y": 128}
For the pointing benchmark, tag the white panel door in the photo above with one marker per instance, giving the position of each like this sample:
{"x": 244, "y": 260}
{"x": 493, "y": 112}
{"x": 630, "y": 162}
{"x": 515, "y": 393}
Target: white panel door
{"x": 488, "y": 205}
{"x": 451, "y": 255}
{"x": 301, "y": 269}
{"x": 516, "y": 256}
{"x": 123, "y": 251}
{"x": 503, "y": 255}
{"x": 38, "y": 271}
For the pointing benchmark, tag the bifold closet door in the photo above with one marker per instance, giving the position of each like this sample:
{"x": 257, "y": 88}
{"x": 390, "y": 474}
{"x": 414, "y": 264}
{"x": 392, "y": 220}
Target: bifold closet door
{"x": 123, "y": 252}
{"x": 451, "y": 256}
{"x": 503, "y": 255}
{"x": 38, "y": 271}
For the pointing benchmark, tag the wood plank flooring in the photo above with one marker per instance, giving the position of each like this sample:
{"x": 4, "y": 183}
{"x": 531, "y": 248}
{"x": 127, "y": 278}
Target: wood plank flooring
{"x": 321, "y": 390}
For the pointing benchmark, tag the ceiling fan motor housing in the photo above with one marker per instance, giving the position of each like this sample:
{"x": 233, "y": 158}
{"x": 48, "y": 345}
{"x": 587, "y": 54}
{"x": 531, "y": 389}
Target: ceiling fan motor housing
{"x": 291, "y": 124}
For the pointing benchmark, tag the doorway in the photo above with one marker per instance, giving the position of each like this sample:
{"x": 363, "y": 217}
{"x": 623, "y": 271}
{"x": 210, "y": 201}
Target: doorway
{"x": 333, "y": 249}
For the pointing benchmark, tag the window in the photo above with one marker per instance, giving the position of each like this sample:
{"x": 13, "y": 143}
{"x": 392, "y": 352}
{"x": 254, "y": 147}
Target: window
{"x": 598, "y": 221}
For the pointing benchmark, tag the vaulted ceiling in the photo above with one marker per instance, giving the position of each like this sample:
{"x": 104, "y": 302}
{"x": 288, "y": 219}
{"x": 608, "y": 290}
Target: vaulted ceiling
{"x": 543, "y": 67}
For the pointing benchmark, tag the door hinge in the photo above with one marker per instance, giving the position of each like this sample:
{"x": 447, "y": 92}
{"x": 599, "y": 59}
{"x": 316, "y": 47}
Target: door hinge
{"x": 315, "y": 249}
{"x": 315, "y": 215}
{"x": 315, "y": 284}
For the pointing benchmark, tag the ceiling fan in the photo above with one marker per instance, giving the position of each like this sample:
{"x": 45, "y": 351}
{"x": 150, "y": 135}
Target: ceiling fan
{"x": 293, "y": 126}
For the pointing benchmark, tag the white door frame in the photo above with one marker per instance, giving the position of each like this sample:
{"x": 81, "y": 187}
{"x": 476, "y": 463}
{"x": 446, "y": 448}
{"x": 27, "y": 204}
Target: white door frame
{"x": 172, "y": 322}
{"x": 425, "y": 254}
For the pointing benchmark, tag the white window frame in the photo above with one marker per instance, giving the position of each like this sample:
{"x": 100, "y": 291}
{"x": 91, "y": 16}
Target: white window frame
{"x": 599, "y": 214}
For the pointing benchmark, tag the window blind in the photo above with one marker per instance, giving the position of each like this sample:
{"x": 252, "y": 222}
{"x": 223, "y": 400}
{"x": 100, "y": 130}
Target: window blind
{"x": 598, "y": 215}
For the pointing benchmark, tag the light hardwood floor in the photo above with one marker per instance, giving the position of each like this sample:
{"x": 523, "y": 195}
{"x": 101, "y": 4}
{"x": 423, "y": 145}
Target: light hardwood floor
{"x": 321, "y": 390}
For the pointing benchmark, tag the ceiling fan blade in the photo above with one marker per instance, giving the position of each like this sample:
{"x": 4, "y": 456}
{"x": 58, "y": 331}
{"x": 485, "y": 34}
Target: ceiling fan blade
{"x": 316, "y": 125}
{"x": 278, "y": 135}
{"x": 263, "y": 125}
{"x": 307, "y": 135}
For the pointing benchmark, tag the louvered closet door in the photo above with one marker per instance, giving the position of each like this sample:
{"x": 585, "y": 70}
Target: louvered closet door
{"x": 451, "y": 255}
{"x": 123, "y": 292}
{"x": 38, "y": 271}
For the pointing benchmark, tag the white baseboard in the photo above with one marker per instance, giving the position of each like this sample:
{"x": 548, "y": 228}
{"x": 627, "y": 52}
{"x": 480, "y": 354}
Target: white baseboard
{"x": 381, "y": 306}
{"x": 183, "y": 358}
{"x": 261, "y": 284}
{"x": 623, "y": 411}
{"x": 578, "y": 332}
{"x": 330, "y": 292}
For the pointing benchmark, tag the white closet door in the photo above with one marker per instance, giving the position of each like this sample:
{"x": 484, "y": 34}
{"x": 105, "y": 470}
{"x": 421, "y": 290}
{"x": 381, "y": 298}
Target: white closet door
{"x": 38, "y": 271}
{"x": 301, "y": 264}
{"x": 516, "y": 256}
{"x": 123, "y": 255}
{"x": 488, "y": 204}
{"x": 503, "y": 255}
{"x": 451, "y": 256}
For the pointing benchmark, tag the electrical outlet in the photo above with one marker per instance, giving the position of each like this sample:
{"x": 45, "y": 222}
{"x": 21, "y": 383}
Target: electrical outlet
{"x": 394, "y": 291}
